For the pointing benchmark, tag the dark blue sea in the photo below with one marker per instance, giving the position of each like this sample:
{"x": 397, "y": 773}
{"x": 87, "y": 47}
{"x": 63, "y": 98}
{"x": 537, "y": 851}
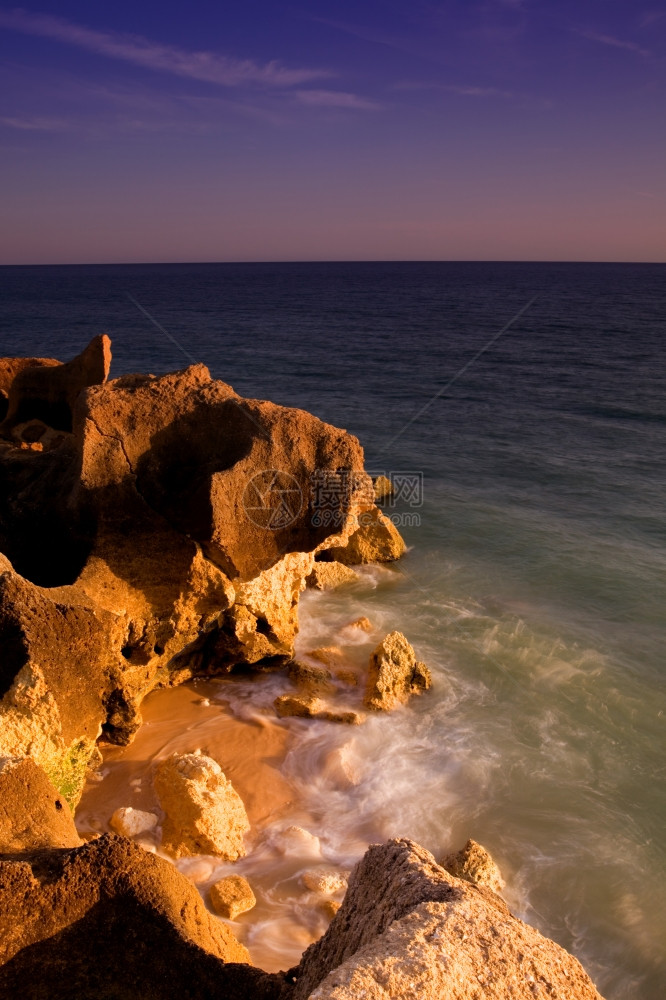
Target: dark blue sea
{"x": 526, "y": 406}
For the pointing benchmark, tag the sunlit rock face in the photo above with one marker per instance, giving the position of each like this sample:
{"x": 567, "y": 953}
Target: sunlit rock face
{"x": 152, "y": 528}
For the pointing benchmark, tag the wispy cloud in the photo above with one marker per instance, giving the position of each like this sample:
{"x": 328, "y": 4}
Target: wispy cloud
{"x": 335, "y": 99}
{"x": 618, "y": 43}
{"x": 454, "y": 88}
{"x": 650, "y": 17}
{"x": 35, "y": 124}
{"x": 207, "y": 66}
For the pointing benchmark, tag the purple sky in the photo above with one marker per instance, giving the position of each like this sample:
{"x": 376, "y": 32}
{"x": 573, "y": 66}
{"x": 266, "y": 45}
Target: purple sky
{"x": 193, "y": 131}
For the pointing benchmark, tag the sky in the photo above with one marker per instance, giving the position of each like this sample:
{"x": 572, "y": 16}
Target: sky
{"x": 372, "y": 130}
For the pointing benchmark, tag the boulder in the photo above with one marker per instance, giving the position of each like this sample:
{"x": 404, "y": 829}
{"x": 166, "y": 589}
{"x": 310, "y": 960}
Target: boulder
{"x": 309, "y": 706}
{"x": 407, "y": 929}
{"x": 32, "y": 813}
{"x": 362, "y": 623}
{"x": 232, "y": 896}
{"x": 111, "y": 921}
{"x": 204, "y": 814}
{"x": 375, "y": 540}
{"x": 328, "y": 575}
{"x": 130, "y": 822}
{"x": 474, "y": 864}
{"x": 394, "y": 674}
{"x": 10, "y": 368}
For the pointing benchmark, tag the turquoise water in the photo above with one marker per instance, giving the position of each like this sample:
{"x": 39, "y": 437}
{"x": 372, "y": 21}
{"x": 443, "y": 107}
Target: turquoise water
{"x": 535, "y": 582}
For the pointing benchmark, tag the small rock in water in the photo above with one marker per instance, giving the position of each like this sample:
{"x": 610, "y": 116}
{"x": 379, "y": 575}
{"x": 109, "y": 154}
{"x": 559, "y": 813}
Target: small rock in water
{"x": 296, "y": 840}
{"x": 129, "y": 822}
{"x": 394, "y": 674}
{"x": 304, "y": 706}
{"x": 341, "y": 767}
{"x": 329, "y": 907}
{"x": 312, "y": 679}
{"x": 204, "y": 812}
{"x": 363, "y": 623}
{"x": 232, "y": 896}
{"x": 474, "y": 864}
{"x": 196, "y": 869}
{"x": 326, "y": 880}
{"x": 330, "y": 656}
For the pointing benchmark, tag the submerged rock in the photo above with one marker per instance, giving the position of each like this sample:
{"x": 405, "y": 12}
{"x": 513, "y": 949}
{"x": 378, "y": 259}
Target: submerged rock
{"x": 111, "y": 921}
{"x": 232, "y": 896}
{"x": 313, "y": 680}
{"x": 32, "y": 813}
{"x": 408, "y": 929}
{"x": 394, "y": 674}
{"x": 204, "y": 812}
{"x": 325, "y": 880}
{"x": 474, "y": 864}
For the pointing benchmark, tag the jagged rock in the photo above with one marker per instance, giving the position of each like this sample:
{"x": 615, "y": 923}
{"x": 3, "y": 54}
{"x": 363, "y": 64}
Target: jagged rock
{"x": 204, "y": 813}
{"x": 130, "y": 822}
{"x": 474, "y": 864}
{"x": 407, "y": 929}
{"x": 48, "y": 392}
{"x": 232, "y": 896}
{"x": 341, "y": 767}
{"x": 313, "y": 680}
{"x": 328, "y": 575}
{"x": 329, "y": 907}
{"x": 394, "y": 674}
{"x": 32, "y": 813}
{"x": 375, "y": 540}
{"x": 111, "y": 921}
{"x": 383, "y": 488}
{"x": 59, "y": 666}
{"x": 326, "y": 880}
{"x": 162, "y": 536}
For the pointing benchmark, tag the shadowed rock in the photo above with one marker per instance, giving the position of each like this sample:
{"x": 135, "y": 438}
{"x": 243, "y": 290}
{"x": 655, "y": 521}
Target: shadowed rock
{"x": 394, "y": 674}
{"x": 110, "y": 921}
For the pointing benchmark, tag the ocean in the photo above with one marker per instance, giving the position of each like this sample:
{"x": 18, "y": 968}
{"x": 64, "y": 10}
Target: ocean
{"x": 522, "y": 409}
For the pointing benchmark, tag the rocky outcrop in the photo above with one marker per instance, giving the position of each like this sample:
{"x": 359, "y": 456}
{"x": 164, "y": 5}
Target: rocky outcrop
{"x": 32, "y": 813}
{"x": 167, "y": 530}
{"x": 409, "y": 929}
{"x": 474, "y": 864}
{"x": 10, "y": 368}
{"x": 232, "y": 896}
{"x": 394, "y": 674}
{"x": 328, "y": 575}
{"x": 376, "y": 539}
{"x": 204, "y": 814}
{"x": 111, "y": 921}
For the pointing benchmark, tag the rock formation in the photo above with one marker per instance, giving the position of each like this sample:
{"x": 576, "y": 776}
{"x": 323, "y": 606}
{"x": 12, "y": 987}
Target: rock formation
{"x": 376, "y": 539}
{"x": 167, "y": 530}
{"x": 204, "y": 814}
{"x": 394, "y": 674}
{"x": 408, "y": 929}
{"x": 328, "y": 575}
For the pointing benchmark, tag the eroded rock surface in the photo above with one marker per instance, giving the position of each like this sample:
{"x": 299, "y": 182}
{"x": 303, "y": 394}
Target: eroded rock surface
{"x": 162, "y": 527}
{"x": 32, "y": 813}
{"x": 408, "y": 929}
{"x": 474, "y": 864}
{"x": 376, "y": 539}
{"x": 112, "y": 922}
{"x": 204, "y": 812}
{"x": 394, "y": 674}
{"x": 232, "y": 896}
